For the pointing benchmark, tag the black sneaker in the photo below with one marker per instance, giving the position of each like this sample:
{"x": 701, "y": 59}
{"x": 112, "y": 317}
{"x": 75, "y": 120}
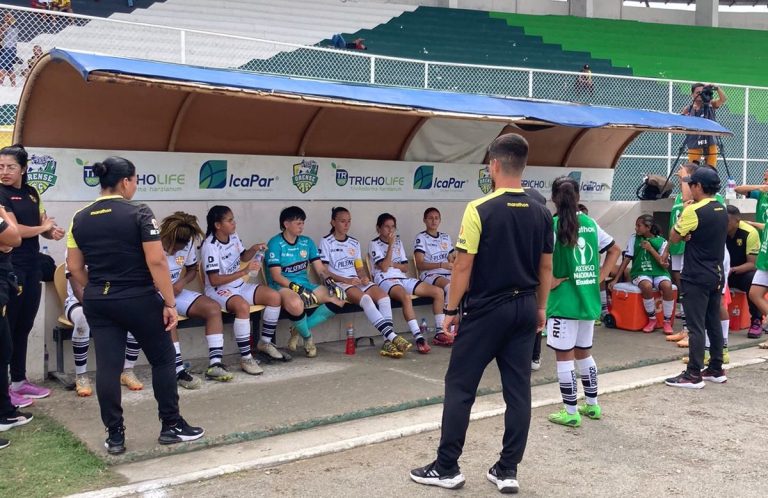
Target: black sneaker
{"x": 431, "y": 476}
{"x": 179, "y": 432}
{"x": 504, "y": 479}
{"x": 15, "y": 419}
{"x": 115, "y": 442}
{"x": 686, "y": 380}
{"x": 712, "y": 375}
{"x": 4, "y": 443}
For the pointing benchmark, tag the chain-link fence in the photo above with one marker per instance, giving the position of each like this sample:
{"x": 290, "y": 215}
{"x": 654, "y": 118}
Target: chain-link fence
{"x": 745, "y": 113}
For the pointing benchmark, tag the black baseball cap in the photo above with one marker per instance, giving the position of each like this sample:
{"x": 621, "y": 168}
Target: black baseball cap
{"x": 705, "y": 176}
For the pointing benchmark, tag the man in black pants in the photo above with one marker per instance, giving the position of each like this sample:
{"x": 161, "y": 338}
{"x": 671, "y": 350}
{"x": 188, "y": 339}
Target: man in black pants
{"x": 503, "y": 273}
{"x": 743, "y": 243}
{"x": 704, "y": 226}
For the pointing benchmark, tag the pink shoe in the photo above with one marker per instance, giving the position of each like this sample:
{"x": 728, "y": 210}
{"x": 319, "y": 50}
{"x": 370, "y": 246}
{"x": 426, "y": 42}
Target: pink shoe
{"x": 650, "y": 326}
{"x": 667, "y": 326}
{"x": 32, "y": 391}
{"x": 19, "y": 401}
{"x": 755, "y": 330}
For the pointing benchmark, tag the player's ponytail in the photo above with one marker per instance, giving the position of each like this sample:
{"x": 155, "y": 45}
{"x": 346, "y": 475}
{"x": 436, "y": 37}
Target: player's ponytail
{"x": 565, "y": 195}
{"x": 179, "y": 228}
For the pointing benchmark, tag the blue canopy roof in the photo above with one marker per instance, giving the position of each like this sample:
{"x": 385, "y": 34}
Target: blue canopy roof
{"x": 419, "y": 100}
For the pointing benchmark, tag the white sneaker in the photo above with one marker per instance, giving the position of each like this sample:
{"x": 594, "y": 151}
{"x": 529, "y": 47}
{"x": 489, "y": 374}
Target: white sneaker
{"x": 251, "y": 366}
{"x": 535, "y": 364}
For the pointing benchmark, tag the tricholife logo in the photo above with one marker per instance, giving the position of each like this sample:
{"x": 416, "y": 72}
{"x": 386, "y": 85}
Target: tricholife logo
{"x": 89, "y": 177}
{"x": 380, "y": 183}
{"x": 41, "y": 172}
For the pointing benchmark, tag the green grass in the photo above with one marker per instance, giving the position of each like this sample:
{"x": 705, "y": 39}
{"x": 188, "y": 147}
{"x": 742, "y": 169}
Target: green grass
{"x": 45, "y": 459}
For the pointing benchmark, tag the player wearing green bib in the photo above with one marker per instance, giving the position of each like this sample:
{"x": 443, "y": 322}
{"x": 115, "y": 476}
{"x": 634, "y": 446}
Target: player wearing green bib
{"x": 574, "y": 302}
{"x": 646, "y": 248}
{"x": 760, "y": 193}
{"x": 760, "y": 283}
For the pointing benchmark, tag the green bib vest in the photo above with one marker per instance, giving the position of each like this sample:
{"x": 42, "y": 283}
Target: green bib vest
{"x": 577, "y": 298}
{"x": 643, "y": 262}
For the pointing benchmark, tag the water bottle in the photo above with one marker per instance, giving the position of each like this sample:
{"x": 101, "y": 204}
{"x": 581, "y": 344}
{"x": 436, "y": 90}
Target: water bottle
{"x": 423, "y": 326}
{"x": 730, "y": 191}
{"x": 259, "y": 258}
{"x": 44, "y": 250}
{"x": 350, "y": 347}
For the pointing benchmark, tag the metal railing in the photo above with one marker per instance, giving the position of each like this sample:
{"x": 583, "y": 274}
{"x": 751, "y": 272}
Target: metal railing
{"x": 746, "y": 112}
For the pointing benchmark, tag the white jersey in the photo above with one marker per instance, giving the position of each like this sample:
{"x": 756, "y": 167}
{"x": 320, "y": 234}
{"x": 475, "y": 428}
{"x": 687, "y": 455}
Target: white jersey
{"x": 435, "y": 249}
{"x": 340, "y": 255}
{"x": 377, "y": 249}
{"x": 187, "y": 257}
{"x": 222, "y": 258}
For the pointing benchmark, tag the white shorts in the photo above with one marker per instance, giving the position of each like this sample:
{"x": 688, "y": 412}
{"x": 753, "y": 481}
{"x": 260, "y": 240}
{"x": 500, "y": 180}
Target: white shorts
{"x": 655, "y": 281}
{"x": 184, "y": 301}
{"x": 431, "y": 276}
{"x": 760, "y": 278}
{"x": 408, "y": 283}
{"x": 246, "y": 290}
{"x": 361, "y": 286}
{"x": 677, "y": 262}
{"x": 564, "y": 334}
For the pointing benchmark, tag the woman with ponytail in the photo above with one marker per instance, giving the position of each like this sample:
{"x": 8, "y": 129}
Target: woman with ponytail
{"x": 26, "y": 209}
{"x": 574, "y": 302}
{"x": 127, "y": 287}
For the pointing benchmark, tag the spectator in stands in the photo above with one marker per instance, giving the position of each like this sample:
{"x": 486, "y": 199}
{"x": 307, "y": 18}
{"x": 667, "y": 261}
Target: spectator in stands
{"x": 743, "y": 243}
{"x": 338, "y": 41}
{"x": 703, "y": 108}
{"x": 37, "y": 52}
{"x": 584, "y": 82}
{"x": 10, "y": 35}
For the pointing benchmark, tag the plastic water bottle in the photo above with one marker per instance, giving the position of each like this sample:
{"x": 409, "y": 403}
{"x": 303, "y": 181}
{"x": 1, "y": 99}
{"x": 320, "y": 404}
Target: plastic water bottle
{"x": 259, "y": 258}
{"x": 350, "y": 348}
{"x": 730, "y": 191}
{"x": 423, "y": 326}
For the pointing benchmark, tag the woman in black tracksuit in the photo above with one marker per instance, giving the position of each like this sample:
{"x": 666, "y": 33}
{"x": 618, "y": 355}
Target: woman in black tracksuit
{"x": 119, "y": 242}
{"x": 25, "y": 208}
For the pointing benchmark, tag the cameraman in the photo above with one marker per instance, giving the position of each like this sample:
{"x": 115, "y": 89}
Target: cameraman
{"x": 703, "y": 105}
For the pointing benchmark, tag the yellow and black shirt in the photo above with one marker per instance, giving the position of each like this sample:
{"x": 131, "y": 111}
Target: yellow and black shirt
{"x": 27, "y": 207}
{"x": 507, "y": 231}
{"x": 110, "y": 232}
{"x": 745, "y": 242}
{"x": 707, "y": 223}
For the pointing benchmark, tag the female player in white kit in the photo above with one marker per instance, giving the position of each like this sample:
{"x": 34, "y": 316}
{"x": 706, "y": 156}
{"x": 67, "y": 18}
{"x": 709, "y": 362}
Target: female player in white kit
{"x": 433, "y": 252}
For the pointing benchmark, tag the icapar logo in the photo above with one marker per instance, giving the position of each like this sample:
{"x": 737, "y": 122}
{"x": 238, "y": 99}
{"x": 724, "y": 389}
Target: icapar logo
{"x": 41, "y": 172}
{"x": 305, "y": 175}
{"x": 213, "y": 174}
{"x": 422, "y": 177}
{"x": 484, "y": 180}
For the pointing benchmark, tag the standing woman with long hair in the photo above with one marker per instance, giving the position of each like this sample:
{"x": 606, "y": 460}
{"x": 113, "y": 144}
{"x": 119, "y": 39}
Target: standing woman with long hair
{"x": 25, "y": 208}
{"x": 574, "y": 301}
{"x": 119, "y": 241}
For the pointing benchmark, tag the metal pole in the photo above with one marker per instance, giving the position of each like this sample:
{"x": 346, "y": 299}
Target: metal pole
{"x": 183, "y": 39}
{"x": 530, "y": 84}
{"x": 669, "y": 135}
{"x": 746, "y": 135}
{"x": 373, "y": 69}
{"x": 426, "y": 75}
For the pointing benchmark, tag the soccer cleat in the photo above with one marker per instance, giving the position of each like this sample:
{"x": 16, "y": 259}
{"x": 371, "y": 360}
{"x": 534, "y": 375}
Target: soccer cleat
{"x": 667, "y": 327}
{"x": 422, "y": 346}
{"x": 504, "y": 479}
{"x": 251, "y": 366}
{"x": 83, "y": 386}
{"x": 592, "y": 411}
{"x": 219, "y": 373}
{"x": 712, "y": 375}
{"x": 31, "y": 391}
{"x": 269, "y": 350}
{"x": 535, "y": 364}
{"x": 683, "y": 343}
{"x": 402, "y": 344}
{"x": 4, "y": 443}
{"x": 309, "y": 347}
{"x": 129, "y": 380}
{"x": 564, "y": 418}
{"x": 179, "y": 432}
{"x": 599, "y": 322}
{"x": 650, "y": 326}
{"x": 686, "y": 381}
{"x": 763, "y": 345}
{"x": 442, "y": 339}
{"x": 683, "y": 334}
{"x": 390, "y": 350}
{"x": 19, "y": 401}
{"x": 431, "y": 476}
{"x": 15, "y": 419}
{"x": 188, "y": 381}
{"x": 293, "y": 342}
{"x": 115, "y": 442}
{"x": 755, "y": 330}
{"x": 726, "y": 357}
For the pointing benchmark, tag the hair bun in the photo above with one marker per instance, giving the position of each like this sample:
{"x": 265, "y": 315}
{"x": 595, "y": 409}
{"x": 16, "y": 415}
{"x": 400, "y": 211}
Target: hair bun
{"x": 99, "y": 169}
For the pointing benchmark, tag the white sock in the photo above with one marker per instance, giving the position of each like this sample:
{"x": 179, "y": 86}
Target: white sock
{"x": 588, "y": 373}
{"x": 413, "y": 326}
{"x": 603, "y": 302}
{"x": 725, "y": 325}
{"x": 669, "y": 308}
{"x": 439, "y": 319}
{"x": 566, "y": 375}
{"x": 242, "y": 329}
{"x": 179, "y": 363}
{"x": 215, "y": 348}
{"x": 269, "y": 323}
{"x": 372, "y": 313}
{"x": 385, "y": 307}
{"x": 650, "y": 307}
{"x": 80, "y": 340}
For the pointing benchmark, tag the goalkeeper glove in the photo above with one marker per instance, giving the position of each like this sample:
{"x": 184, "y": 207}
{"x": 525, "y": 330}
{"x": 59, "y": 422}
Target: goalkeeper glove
{"x": 305, "y": 294}
{"x": 335, "y": 290}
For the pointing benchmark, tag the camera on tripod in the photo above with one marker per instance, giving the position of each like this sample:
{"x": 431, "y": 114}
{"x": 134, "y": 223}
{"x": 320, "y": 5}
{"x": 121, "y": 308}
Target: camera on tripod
{"x": 707, "y": 93}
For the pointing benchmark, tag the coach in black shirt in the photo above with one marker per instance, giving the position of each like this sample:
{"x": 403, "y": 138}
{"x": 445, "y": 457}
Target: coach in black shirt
{"x": 119, "y": 242}
{"x": 503, "y": 273}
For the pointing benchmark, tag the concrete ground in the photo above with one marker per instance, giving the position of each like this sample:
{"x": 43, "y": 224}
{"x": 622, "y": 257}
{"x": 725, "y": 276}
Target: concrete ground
{"x": 654, "y": 441}
{"x": 307, "y": 393}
